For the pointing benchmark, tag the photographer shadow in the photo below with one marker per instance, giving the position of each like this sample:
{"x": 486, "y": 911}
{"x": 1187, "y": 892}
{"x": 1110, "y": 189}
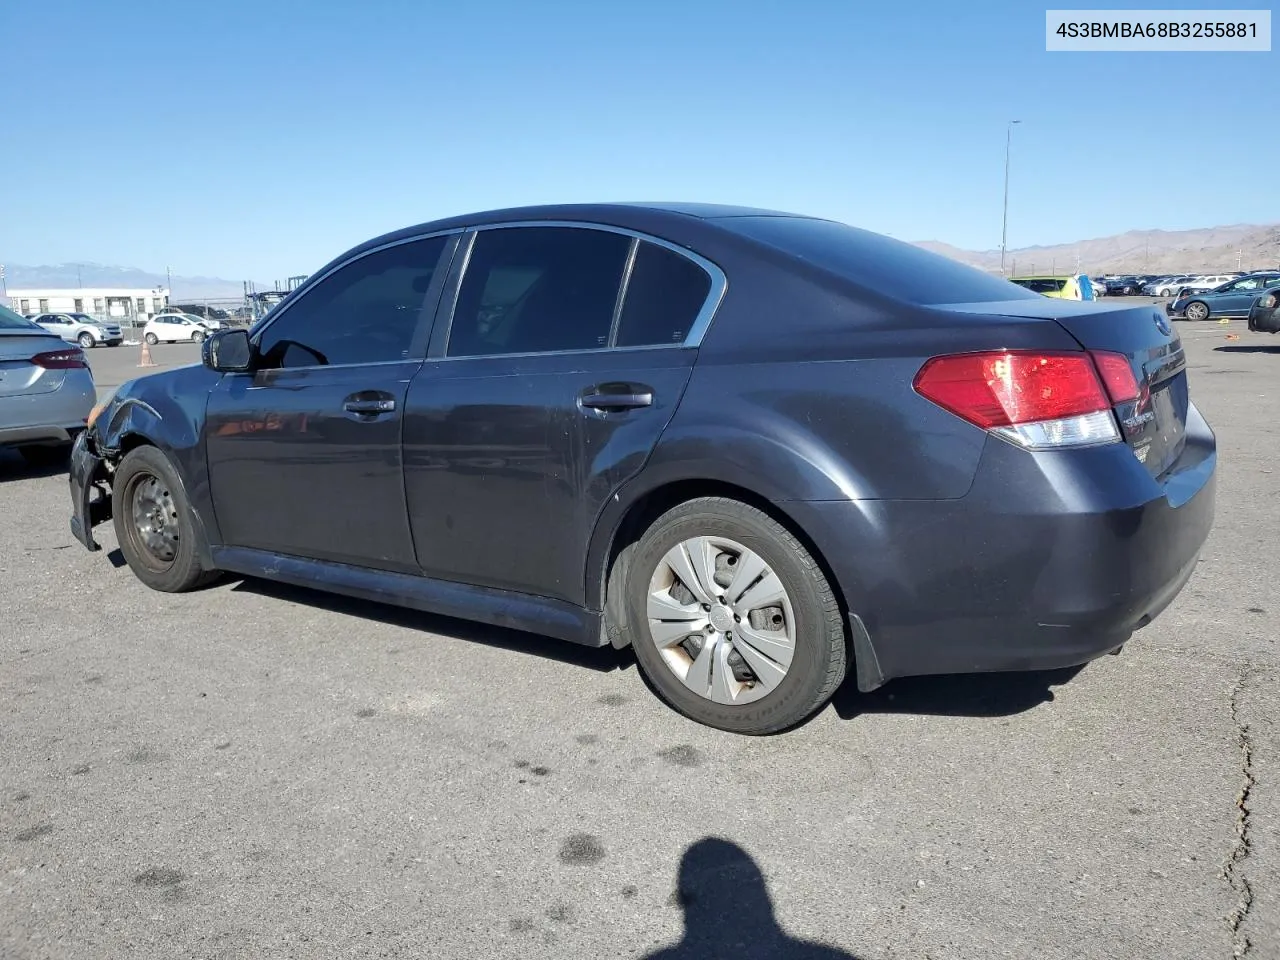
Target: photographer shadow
{"x": 728, "y": 911}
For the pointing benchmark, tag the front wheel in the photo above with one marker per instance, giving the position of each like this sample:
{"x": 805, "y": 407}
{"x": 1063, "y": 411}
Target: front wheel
{"x": 1196, "y": 310}
{"x": 151, "y": 339}
{"x": 732, "y": 620}
{"x": 154, "y": 523}
{"x": 197, "y": 337}
{"x": 85, "y": 340}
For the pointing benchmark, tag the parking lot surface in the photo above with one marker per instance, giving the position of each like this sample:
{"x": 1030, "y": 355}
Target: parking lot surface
{"x": 254, "y": 771}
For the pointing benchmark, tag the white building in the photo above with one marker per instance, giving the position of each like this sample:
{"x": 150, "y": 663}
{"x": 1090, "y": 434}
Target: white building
{"x": 127, "y": 306}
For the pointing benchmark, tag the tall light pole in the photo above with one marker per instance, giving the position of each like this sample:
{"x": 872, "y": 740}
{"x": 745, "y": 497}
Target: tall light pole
{"x": 1004, "y": 228}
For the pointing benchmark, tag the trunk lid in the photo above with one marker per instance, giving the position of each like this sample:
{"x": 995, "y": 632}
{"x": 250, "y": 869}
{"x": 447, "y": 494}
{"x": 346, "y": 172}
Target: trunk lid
{"x": 1154, "y": 425}
{"x": 19, "y": 377}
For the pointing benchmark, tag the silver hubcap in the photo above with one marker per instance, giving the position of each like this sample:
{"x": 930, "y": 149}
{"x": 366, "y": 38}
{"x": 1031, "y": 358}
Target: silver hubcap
{"x": 1196, "y": 312}
{"x": 721, "y": 619}
{"x": 155, "y": 517}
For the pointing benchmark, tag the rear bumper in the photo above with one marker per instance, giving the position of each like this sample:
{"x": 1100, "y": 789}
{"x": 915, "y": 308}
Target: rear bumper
{"x": 1051, "y": 560}
{"x": 90, "y": 499}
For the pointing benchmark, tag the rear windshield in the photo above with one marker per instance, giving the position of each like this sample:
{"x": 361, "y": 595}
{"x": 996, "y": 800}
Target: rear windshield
{"x": 1042, "y": 285}
{"x": 887, "y": 266}
{"x": 12, "y": 321}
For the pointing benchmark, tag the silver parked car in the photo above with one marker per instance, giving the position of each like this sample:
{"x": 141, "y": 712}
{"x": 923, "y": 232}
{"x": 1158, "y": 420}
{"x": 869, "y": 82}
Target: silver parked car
{"x": 82, "y": 329}
{"x": 46, "y": 390}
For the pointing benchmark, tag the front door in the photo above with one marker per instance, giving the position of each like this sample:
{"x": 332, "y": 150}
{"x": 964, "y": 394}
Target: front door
{"x": 304, "y": 452}
{"x": 549, "y": 392}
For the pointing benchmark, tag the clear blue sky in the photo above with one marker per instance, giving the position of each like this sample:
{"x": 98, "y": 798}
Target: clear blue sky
{"x": 259, "y": 139}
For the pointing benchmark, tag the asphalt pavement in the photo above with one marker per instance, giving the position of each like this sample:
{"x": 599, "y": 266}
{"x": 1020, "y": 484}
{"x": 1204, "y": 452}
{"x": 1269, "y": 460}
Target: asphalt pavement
{"x": 254, "y": 771}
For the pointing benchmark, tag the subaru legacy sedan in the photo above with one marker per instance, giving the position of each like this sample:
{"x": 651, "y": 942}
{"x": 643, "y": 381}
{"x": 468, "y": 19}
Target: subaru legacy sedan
{"x": 762, "y": 450}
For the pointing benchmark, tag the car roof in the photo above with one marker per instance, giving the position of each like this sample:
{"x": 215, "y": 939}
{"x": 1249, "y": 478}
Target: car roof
{"x": 644, "y": 217}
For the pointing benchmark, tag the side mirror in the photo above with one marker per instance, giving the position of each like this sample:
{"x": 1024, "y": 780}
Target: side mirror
{"x": 227, "y": 351}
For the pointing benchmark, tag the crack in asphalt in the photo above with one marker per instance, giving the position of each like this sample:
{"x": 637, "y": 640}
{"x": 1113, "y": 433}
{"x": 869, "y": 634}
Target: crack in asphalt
{"x": 1233, "y": 868}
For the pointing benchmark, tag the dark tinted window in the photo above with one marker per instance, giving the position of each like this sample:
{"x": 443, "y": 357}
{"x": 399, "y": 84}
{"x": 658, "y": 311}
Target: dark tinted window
{"x": 366, "y": 312}
{"x": 538, "y": 289}
{"x": 881, "y": 264}
{"x": 12, "y": 321}
{"x": 1042, "y": 284}
{"x": 664, "y": 295}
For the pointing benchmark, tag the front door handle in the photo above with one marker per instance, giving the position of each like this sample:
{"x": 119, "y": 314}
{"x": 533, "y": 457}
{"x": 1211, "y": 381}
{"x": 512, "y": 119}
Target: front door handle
{"x": 617, "y": 396}
{"x": 369, "y": 404}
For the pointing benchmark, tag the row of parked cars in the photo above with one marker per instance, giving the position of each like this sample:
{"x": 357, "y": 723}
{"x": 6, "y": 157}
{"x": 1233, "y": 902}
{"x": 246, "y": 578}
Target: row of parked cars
{"x": 1163, "y": 285}
{"x": 89, "y": 331}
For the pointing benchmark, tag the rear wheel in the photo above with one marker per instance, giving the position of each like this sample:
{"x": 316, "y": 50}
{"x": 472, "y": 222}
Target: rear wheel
{"x": 732, "y": 620}
{"x": 153, "y": 523}
{"x": 1197, "y": 310}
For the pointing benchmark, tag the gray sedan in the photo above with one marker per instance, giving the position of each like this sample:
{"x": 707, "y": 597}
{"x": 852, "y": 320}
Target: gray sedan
{"x": 46, "y": 390}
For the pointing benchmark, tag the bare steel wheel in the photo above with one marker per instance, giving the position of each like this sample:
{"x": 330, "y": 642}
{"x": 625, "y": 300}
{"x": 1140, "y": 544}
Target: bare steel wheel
{"x": 731, "y": 618}
{"x": 155, "y": 520}
{"x": 155, "y": 524}
{"x": 721, "y": 620}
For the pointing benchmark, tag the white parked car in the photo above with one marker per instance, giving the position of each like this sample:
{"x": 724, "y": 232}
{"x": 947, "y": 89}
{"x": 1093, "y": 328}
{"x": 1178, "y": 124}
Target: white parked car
{"x": 82, "y": 329}
{"x": 174, "y": 328}
{"x": 1203, "y": 284}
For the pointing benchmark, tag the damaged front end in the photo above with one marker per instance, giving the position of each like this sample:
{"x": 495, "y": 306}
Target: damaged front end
{"x": 90, "y": 479}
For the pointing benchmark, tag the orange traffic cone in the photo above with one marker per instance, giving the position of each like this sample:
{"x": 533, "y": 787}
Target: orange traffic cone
{"x": 145, "y": 360}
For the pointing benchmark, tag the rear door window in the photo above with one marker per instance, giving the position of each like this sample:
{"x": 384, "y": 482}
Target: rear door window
{"x": 538, "y": 290}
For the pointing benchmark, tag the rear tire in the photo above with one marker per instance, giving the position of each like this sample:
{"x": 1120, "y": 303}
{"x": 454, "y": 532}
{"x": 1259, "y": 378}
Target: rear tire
{"x": 153, "y": 523}
{"x": 803, "y": 623}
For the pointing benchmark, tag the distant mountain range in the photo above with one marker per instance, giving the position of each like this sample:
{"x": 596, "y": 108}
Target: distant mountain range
{"x": 74, "y": 275}
{"x": 1207, "y": 250}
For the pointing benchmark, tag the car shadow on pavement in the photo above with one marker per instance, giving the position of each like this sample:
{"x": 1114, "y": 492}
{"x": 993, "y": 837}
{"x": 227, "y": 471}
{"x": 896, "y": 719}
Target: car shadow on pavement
{"x": 955, "y": 695}
{"x": 728, "y": 911}
{"x": 602, "y": 659}
{"x": 14, "y": 466}
{"x": 1249, "y": 348}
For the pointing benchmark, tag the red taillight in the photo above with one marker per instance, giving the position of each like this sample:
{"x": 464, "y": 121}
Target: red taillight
{"x": 61, "y": 359}
{"x": 1117, "y": 376}
{"x": 1007, "y": 387}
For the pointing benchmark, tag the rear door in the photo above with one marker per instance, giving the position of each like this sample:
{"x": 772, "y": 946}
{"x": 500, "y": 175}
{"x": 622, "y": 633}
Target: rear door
{"x": 568, "y": 350}
{"x": 304, "y": 453}
{"x": 1238, "y": 297}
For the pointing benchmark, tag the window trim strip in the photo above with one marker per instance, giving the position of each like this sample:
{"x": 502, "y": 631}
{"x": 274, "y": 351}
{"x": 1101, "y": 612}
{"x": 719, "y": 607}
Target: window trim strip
{"x": 612, "y": 340}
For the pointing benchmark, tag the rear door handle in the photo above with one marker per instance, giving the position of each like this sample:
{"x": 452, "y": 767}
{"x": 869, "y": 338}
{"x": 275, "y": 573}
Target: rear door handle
{"x": 618, "y": 396}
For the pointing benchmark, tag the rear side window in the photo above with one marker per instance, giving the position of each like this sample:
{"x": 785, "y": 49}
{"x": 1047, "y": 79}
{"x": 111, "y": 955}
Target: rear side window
{"x": 12, "y": 321}
{"x": 881, "y": 264}
{"x": 538, "y": 290}
{"x": 366, "y": 312}
{"x": 664, "y": 296}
